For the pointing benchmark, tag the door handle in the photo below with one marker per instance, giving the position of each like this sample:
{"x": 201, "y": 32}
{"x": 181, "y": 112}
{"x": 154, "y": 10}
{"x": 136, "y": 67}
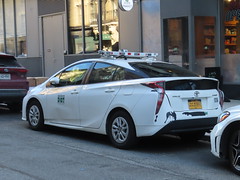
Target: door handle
{"x": 74, "y": 92}
{"x": 110, "y": 90}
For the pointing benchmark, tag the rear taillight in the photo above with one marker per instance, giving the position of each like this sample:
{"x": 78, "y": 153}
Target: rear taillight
{"x": 21, "y": 70}
{"x": 159, "y": 102}
{"x": 157, "y": 86}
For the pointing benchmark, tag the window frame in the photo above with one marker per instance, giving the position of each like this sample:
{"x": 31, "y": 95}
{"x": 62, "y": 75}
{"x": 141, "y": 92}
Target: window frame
{"x": 179, "y": 47}
{"x": 83, "y": 28}
{"x": 15, "y": 46}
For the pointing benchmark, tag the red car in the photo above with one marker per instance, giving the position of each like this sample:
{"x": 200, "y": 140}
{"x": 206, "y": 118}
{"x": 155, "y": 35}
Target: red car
{"x": 13, "y": 82}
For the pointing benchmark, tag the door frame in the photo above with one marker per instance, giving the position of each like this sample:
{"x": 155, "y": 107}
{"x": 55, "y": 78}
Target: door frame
{"x": 41, "y": 35}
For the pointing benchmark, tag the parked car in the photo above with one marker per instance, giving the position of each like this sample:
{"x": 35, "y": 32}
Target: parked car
{"x": 13, "y": 82}
{"x": 126, "y": 98}
{"x": 225, "y": 137}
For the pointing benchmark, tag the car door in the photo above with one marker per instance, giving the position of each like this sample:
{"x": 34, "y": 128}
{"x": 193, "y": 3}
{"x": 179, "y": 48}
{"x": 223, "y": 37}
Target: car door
{"x": 97, "y": 95}
{"x": 62, "y": 100}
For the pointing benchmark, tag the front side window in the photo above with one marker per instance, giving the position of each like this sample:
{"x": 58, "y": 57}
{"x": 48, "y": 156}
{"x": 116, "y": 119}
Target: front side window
{"x": 73, "y": 75}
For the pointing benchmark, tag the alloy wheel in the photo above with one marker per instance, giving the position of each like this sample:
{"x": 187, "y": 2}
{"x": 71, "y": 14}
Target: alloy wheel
{"x": 120, "y": 129}
{"x": 235, "y": 151}
{"x": 34, "y": 115}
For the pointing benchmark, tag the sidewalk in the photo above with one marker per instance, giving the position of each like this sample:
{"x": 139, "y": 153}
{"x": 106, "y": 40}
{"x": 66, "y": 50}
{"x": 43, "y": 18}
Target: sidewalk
{"x": 231, "y": 103}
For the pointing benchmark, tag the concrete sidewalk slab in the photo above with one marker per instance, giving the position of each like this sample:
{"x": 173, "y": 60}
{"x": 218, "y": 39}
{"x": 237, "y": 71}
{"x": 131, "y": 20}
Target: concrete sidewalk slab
{"x": 231, "y": 103}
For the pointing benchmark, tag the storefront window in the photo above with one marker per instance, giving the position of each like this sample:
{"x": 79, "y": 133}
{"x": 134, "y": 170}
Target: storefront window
{"x": 21, "y": 28}
{"x": 75, "y": 26}
{"x": 84, "y": 30}
{"x": 9, "y": 24}
{"x": 230, "y": 64}
{"x": 91, "y": 25}
{"x": 1, "y": 28}
{"x": 232, "y": 27}
{"x": 204, "y": 43}
{"x": 176, "y": 41}
{"x": 110, "y": 34}
{"x": 13, "y": 27}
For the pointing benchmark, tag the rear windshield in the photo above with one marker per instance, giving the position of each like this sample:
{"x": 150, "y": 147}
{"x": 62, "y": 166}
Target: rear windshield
{"x": 8, "y": 61}
{"x": 158, "y": 69}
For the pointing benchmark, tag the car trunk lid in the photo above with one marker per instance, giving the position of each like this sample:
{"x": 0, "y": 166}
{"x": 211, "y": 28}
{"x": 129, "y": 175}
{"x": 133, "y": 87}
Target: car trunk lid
{"x": 192, "y": 94}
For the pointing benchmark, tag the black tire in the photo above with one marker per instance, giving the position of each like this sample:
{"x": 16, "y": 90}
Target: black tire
{"x": 35, "y": 115}
{"x": 192, "y": 136}
{"x": 234, "y": 151}
{"x": 121, "y": 130}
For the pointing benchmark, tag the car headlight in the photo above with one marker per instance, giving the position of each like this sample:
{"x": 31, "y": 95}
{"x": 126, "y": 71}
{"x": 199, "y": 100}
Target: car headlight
{"x": 223, "y": 116}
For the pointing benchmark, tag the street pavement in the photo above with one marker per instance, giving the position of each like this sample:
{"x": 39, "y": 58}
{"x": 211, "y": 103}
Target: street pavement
{"x": 232, "y": 102}
{"x": 62, "y": 154}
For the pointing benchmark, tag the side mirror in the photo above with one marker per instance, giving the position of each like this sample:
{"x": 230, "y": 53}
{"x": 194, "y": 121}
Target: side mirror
{"x": 55, "y": 81}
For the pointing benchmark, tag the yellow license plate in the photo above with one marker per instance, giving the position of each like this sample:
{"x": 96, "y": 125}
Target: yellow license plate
{"x": 195, "y": 104}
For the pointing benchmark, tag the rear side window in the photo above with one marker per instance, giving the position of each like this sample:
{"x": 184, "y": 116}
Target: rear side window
{"x": 8, "y": 61}
{"x": 191, "y": 85}
{"x": 103, "y": 72}
{"x": 161, "y": 70}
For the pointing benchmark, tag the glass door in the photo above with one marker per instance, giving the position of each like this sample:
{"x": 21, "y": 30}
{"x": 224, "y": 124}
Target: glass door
{"x": 176, "y": 46}
{"x": 204, "y": 43}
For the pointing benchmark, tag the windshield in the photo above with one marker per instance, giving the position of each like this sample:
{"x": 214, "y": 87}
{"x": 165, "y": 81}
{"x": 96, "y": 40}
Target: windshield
{"x": 157, "y": 69}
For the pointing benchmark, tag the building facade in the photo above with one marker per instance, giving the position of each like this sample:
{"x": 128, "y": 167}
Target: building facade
{"x": 200, "y": 35}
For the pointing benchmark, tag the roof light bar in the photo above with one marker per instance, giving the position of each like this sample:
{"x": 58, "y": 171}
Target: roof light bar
{"x": 125, "y": 53}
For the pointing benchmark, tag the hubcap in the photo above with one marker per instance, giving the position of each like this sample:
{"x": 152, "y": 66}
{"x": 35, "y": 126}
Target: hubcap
{"x": 34, "y": 115}
{"x": 120, "y": 130}
{"x": 235, "y": 148}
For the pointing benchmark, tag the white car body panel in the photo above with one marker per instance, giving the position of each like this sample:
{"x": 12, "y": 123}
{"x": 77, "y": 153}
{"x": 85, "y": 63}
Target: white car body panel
{"x": 63, "y": 103}
{"x": 94, "y": 101}
{"x": 216, "y": 133}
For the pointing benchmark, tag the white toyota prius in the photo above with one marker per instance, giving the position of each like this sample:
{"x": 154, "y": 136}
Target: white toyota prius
{"x": 125, "y": 95}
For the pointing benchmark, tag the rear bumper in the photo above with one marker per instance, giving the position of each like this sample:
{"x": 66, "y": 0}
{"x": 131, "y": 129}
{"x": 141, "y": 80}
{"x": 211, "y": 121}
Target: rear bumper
{"x": 180, "y": 126}
{"x": 12, "y": 95}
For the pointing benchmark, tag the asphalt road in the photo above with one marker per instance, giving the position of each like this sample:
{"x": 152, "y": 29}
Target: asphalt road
{"x": 61, "y": 154}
